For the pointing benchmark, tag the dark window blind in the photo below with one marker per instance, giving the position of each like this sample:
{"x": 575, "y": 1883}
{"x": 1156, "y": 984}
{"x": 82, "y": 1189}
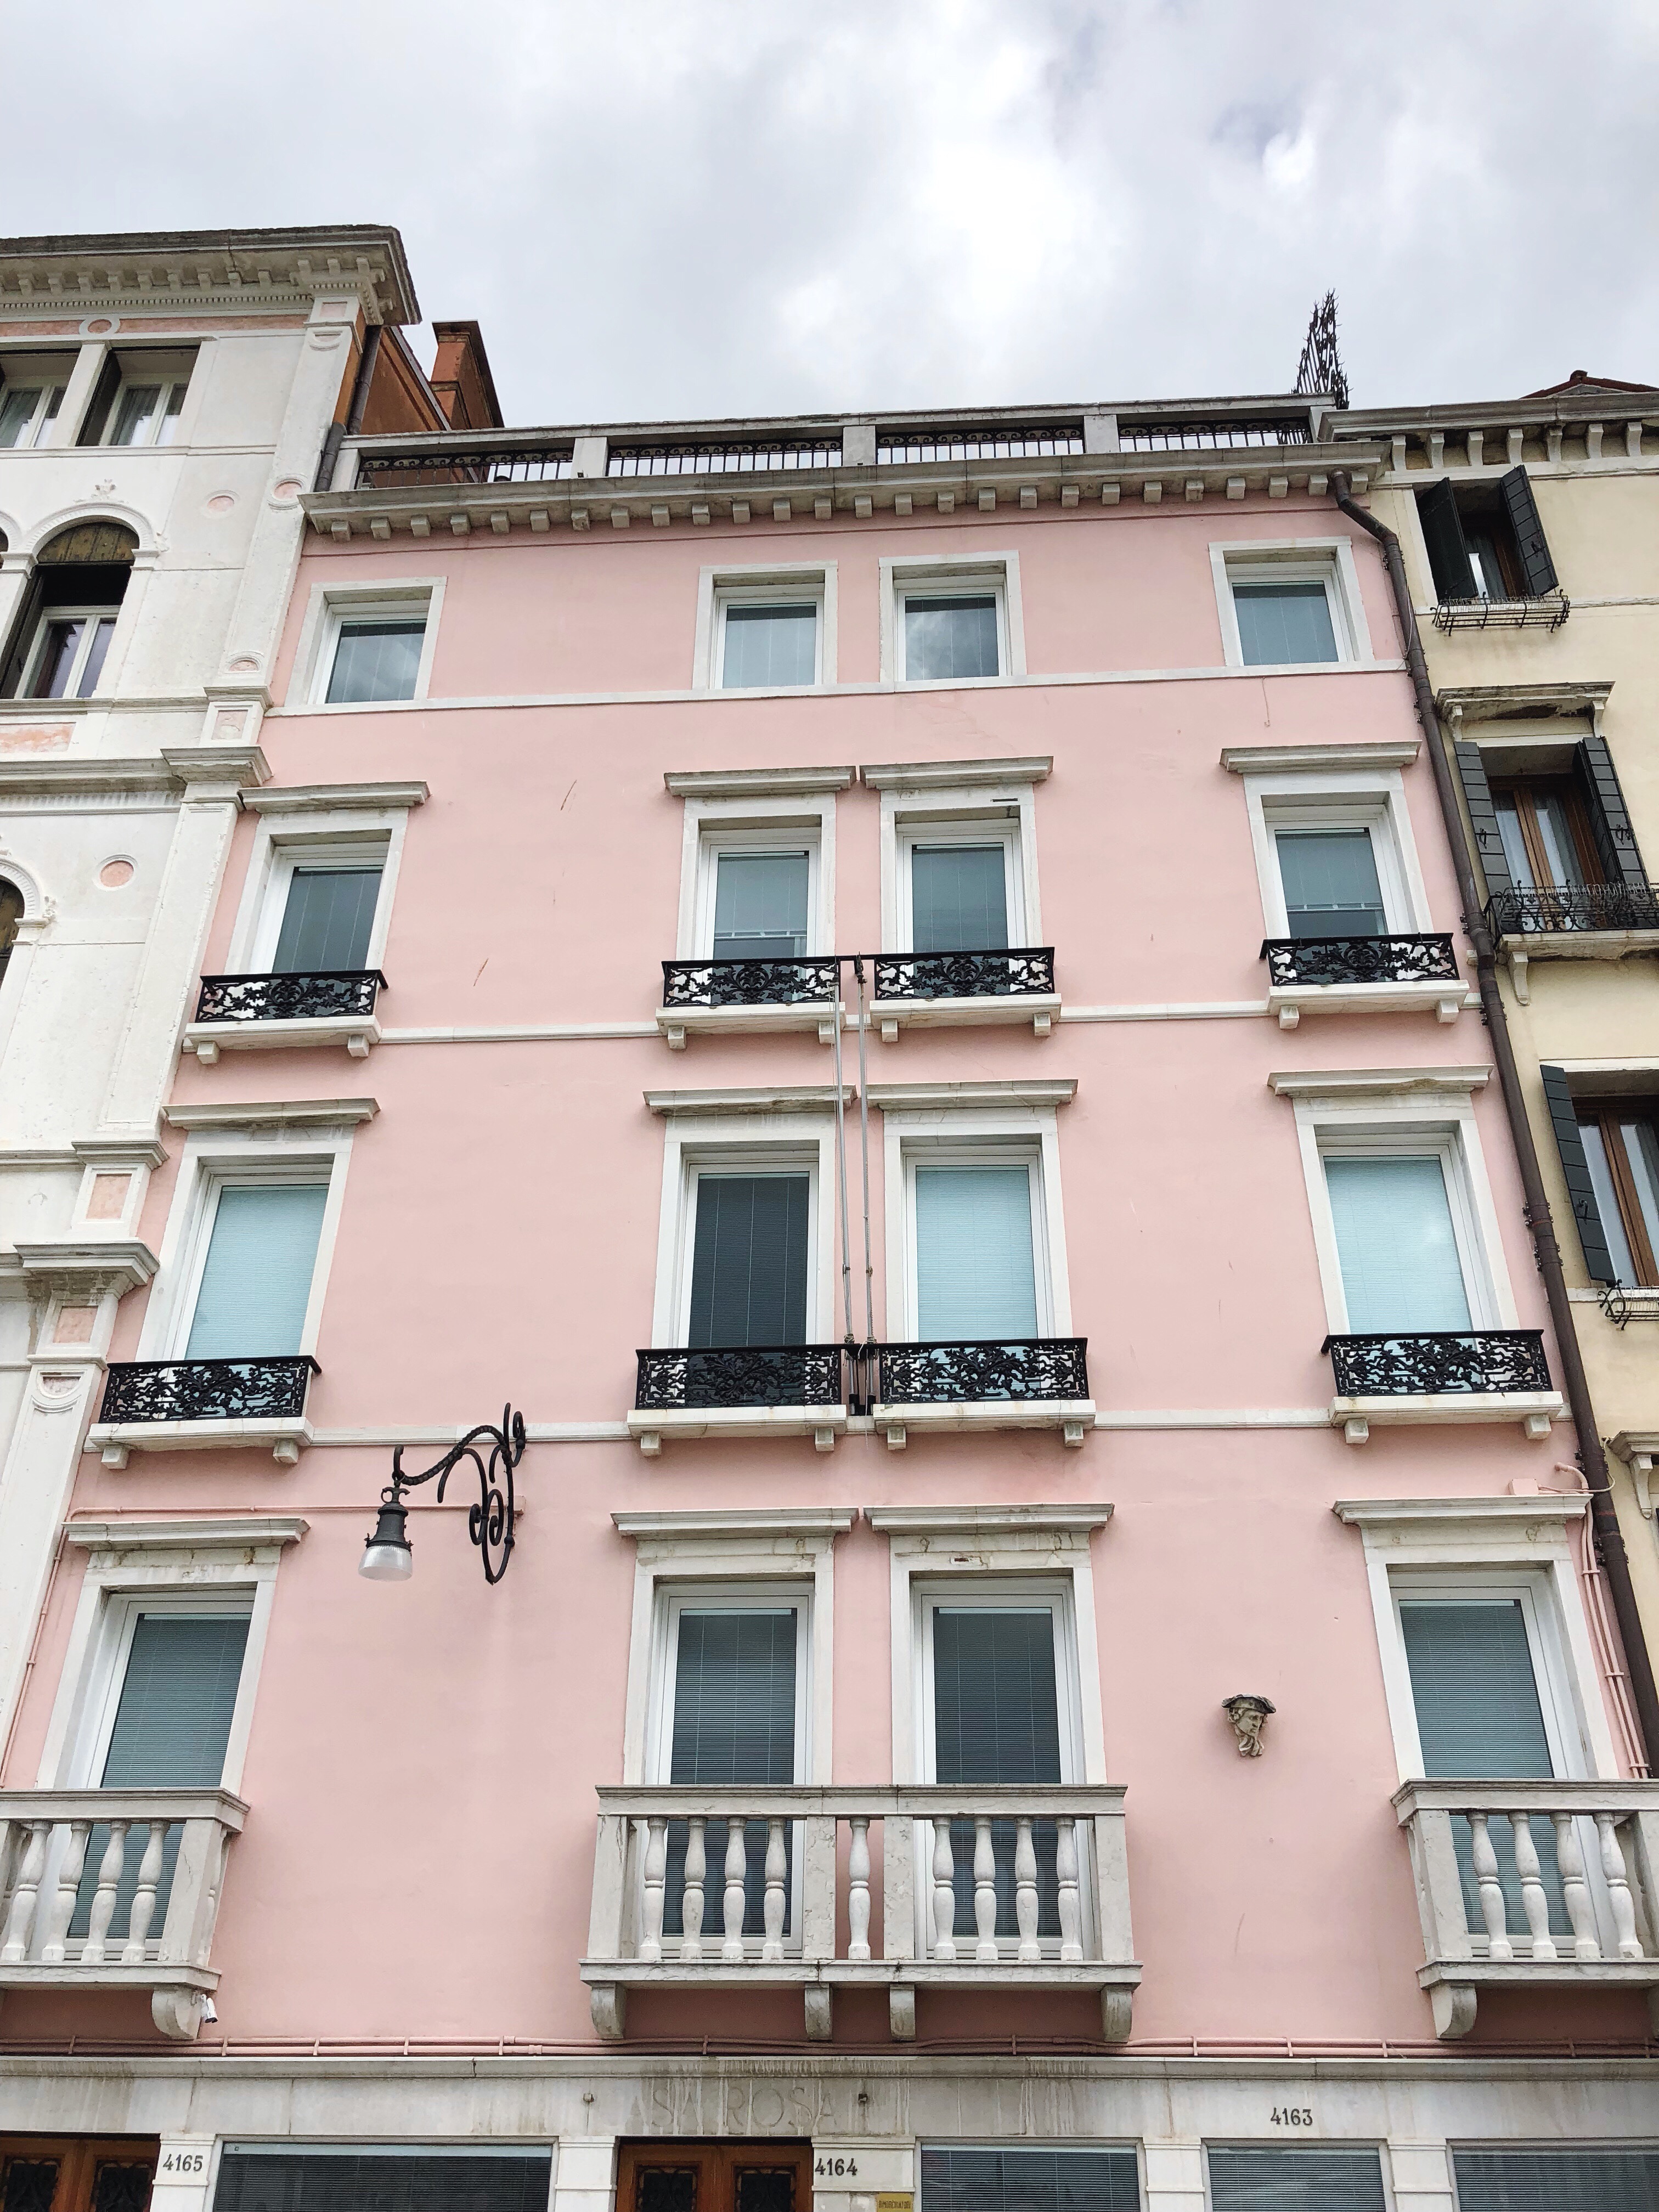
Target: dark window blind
{"x": 958, "y": 898}
{"x": 1557, "y": 2180}
{"x": 749, "y": 1261}
{"x": 327, "y": 920}
{"x": 759, "y": 906}
{"x": 369, "y": 2181}
{"x": 1311, "y": 2180}
{"x": 956, "y": 2180}
{"x": 734, "y": 1721}
{"x": 996, "y": 1718}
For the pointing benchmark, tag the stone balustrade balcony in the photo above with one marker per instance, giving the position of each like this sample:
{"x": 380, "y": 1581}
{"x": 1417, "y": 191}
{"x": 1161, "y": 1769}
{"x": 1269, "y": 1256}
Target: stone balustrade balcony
{"x": 115, "y": 1889}
{"x": 745, "y": 1887}
{"x": 1533, "y": 1884}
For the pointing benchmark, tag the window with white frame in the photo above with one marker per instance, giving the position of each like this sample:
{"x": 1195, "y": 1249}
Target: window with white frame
{"x": 731, "y": 1705}
{"x": 1334, "y": 2176}
{"x": 1289, "y": 606}
{"x": 765, "y": 628}
{"x": 140, "y": 398}
{"x": 31, "y": 395}
{"x": 320, "y": 908}
{"x": 68, "y": 653}
{"x": 1335, "y": 857}
{"x": 958, "y": 863}
{"x": 952, "y": 622}
{"x": 757, "y": 891}
{"x": 253, "y": 1267}
{"x": 997, "y": 2178}
{"x": 369, "y": 648}
{"x": 975, "y": 1218}
{"x": 1405, "y": 1235}
{"x": 752, "y": 1252}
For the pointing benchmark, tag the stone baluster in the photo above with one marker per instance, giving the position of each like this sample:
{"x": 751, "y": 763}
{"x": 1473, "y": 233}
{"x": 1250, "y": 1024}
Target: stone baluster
{"x": 95, "y": 1950}
{"x": 1581, "y": 1913}
{"x": 143, "y": 1897}
{"x": 945, "y": 1895}
{"x": 858, "y": 1889}
{"x": 656, "y": 1861}
{"x": 737, "y": 1866}
{"x": 1491, "y": 1890}
{"x": 1534, "y": 1900}
{"x": 1617, "y": 1880}
{"x": 985, "y": 1892}
{"x": 54, "y": 1949}
{"x": 777, "y": 1870}
{"x": 1025, "y": 1894}
{"x": 696, "y": 1868}
{"x": 20, "y": 1921}
{"x": 1071, "y": 1897}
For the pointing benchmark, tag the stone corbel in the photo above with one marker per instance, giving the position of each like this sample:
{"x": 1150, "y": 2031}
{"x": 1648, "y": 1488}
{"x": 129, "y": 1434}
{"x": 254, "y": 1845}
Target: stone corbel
{"x": 1638, "y": 1450}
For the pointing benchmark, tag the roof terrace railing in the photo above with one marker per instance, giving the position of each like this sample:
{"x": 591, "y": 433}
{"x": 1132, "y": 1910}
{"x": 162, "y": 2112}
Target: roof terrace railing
{"x": 465, "y": 465}
{"x": 729, "y": 460}
{"x": 1218, "y": 435}
{"x": 992, "y": 442}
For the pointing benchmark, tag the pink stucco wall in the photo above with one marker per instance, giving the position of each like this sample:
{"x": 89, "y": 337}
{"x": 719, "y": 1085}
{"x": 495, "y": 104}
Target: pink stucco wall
{"x": 418, "y": 1857}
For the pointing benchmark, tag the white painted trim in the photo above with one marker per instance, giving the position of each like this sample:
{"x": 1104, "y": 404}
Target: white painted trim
{"x": 1380, "y": 1083}
{"x": 1374, "y": 801}
{"x": 767, "y": 582}
{"x": 713, "y": 826}
{"x": 233, "y": 1533}
{"x": 726, "y": 1522}
{"x": 983, "y": 1519}
{"x": 960, "y": 776}
{"x": 334, "y": 798}
{"x": 319, "y": 633}
{"x": 789, "y": 1098}
{"x": 1001, "y": 812}
{"x": 967, "y": 573}
{"x": 318, "y": 1115}
{"x": 1307, "y": 760}
{"x": 1328, "y": 561}
{"x": 357, "y": 835}
{"x": 755, "y": 782}
{"x": 901, "y": 1098}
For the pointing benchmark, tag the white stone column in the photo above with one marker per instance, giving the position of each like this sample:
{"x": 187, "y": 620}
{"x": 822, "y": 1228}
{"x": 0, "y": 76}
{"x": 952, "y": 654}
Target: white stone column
{"x": 584, "y": 2174}
{"x": 163, "y": 991}
{"x": 1174, "y": 2177}
{"x": 1421, "y": 2175}
{"x": 35, "y": 1490}
{"x": 183, "y": 2174}
{"x": 77, "y": 392}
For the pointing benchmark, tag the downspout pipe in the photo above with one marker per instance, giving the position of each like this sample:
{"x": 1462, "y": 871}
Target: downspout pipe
{"x": 338, "y": 432}
{"x": 1604, "y": 1514}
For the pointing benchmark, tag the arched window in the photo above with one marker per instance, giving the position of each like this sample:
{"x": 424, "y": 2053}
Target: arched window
{"x": 11, "y": 913}
{"x": 68, "y": 618}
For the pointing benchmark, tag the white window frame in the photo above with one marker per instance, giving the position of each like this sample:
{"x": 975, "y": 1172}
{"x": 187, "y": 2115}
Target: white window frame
{"x": 763, "y": 1144}
{"x": 332, "y": 605}
{"x": 714, "y": 826}
{"x": 674, "y": 1597}
{"x": 962, "y": 576}
{"x": 994, "y": 1137}
{"x": 762, "y": 583}
{"x": 38, "y": 429}
{"x": 167, "y": 381}
{"x": 972, "y": 815}
{"x": 1327, "y": 561}
{"x": 107, "y": 1676}
{"x": 1390, "y": 1127}
{"x": 361, "y": 830}
{"x": 89, "y": 615}
{"x": 1373, "y": 800}
{"x": 211, "y": 1162}
{"x": 1004, "y": 1593}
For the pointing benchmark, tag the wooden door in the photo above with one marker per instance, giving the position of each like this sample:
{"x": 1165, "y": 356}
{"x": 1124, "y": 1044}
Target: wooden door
{"x": 712, "y": 2177}
{"x": 76, "y": 2173}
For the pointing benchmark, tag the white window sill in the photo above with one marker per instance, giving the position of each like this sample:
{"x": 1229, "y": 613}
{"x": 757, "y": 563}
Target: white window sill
{"x": 1074, "y": 1417}
{"x": 889, "y": 1016}
{"x": 283, "y": 1437}
{"x": 1535, "y": 1410}
{"x": 823, "y": 1423}
{"x": 358, "y": 1033}
{"x": 1445, "y": 1002}
{"x": 677, "y": 1024}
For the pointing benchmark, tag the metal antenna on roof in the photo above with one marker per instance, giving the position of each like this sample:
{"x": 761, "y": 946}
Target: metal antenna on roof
{"x": 1320, "y": 368}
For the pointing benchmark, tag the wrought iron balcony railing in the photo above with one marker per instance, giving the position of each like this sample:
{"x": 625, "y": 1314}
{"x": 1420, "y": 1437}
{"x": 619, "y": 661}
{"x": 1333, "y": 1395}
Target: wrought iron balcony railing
{"x": 1318, "y": 960}
{"x": 331, "y": 992}
{"x": 1586, "y": 906}
{"x": 1026, "y": 972}
{"x": 208, "y": 1389}
{"x": 749, "y": 983}
{"x": 724, "y": 1378}
{"x": 1543, "y": 613}
{"x": 465, "y": 465}
{"x": 1408, "y": 1363}
{"x": 977, "y": 1370}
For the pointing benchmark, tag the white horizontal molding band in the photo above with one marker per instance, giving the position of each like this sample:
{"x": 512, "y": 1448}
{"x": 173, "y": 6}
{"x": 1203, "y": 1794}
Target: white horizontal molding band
{"x": 1154, "y": 1418}
{"x": 943, "y": 1097}
{"x": 525, "y": 1033}
{"x": 330, "y": 798}
{"x": 1273, "y": 760}
{"x": 957, "y": 775}
{"x": 1196, "y": 1010}
{"x": 755, "y": 782}
{"x": 234, "y": 1533}
{"x": 1376, "y": 1082}
{"x": 273, "y": 1113}
{"x": 786, "y": 1520}
{"x": 783, "y": 1098}
{"x": 1413, "y": 1512}
{"x": 972, "y": 1520}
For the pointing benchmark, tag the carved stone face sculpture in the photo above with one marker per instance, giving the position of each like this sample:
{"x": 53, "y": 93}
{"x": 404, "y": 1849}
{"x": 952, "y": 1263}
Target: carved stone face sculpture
{"x": 1247, "y": 1713}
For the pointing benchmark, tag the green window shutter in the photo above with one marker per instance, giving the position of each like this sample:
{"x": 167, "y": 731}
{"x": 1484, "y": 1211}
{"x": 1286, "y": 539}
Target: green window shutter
{"x": 1621, "y": 860}
{"x": 1570, "y": 1142}
{"x": 1483, "y": 818}
{"x": 1536, "y": 565}
{"x": 1442, "y": 533}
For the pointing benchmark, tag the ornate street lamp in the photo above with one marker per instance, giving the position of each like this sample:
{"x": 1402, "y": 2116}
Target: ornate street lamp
{"x": 388, "y": 1557}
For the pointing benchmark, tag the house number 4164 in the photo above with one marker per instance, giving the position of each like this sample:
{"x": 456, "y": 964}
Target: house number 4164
{"x": 836, "y": 2166}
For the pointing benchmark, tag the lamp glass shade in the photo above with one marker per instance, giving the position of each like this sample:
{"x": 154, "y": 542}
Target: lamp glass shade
{"x": 386, "y": 1555}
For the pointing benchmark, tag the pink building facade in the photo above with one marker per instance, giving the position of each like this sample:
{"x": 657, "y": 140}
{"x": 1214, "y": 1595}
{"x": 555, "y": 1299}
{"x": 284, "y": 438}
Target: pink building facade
{"x": 894, "y": 989}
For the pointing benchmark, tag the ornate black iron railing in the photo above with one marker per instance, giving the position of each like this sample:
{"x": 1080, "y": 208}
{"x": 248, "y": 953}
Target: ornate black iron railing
{"x": 1546, "y": 613}
{"x": 908, "y": 443}
{"x": 1401, "y": 1365}
{"x": 1216, "y": 435}
{"x": 208, "y": 1389}
{"x": 1586, "y": 906}
{"x": 509, "y": 464}
{"x": 948, "y": 1374}
{"x": 1027, "y": 972}
{"x": 739, "y": 1375}
{"x": 748, "y": 982}
{"x": 288, "y": 997}
{"x": 724, "y": 460}
{"x": 1423, "y": 959}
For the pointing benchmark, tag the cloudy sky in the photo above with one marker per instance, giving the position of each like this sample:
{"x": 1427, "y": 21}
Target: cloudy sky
{"x": 662, "y": 207}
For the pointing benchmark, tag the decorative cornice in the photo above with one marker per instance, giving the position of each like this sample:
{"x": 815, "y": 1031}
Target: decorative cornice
{"x": 984, "y": 1520}
{"x": 192, "y": 1533}
{"x": 186, "y": 271}
{"x": 86, "y": 1266}
{"x": 955, "y": 776}
{"x": 755, "y": 782}
{"x": 332, "y": 798}
{"x": 1376, "y": 1082}
{"x": 786, "y": 1098}
{"x": 273, "y": 1113}
{"x": 1500, "y": 702}
{"x": 937, "y": 1098}
{"x": 1275, "y": 760}
{"x": 206, "y": 769}
{"x": 1408, "y": 1512}
{"x": 784, "y": 1521}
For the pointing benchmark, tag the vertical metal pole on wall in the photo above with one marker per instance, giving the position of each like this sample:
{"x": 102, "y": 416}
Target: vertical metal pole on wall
{"x": 841, "y": 1161}
{"x": 864, "y": 1147}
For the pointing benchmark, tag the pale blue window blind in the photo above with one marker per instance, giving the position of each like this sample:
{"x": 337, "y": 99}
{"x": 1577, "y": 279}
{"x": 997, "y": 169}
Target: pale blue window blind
{"x": 759, "y": 906}
{"x": 257, "y": 1281}
{"x": 950, "y": 638}
{"x": 749, "y": 1260}
{"x": 958, "y": 898}
{"x": 996, "y": 1719}
{"x": 1400, "y": 1268}
{"x": 975, "y": 1269}
{"x": 1281, "y": 624}
{"x": 1314, "y": 2179}
{"x": 956, "y": 2179}
{"x": 769, "y": 645}
{"x": 1331, "y": 888}
{"x": 734, "y": 1721}
{"x": 1550, "y": 2178}
{"x": 327, "y": 920}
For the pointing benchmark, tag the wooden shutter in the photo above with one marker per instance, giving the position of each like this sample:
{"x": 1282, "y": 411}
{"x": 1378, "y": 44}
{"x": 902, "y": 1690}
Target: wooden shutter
{"x": 1610, "y": 822}
{"x": 1442, "y": 533}
{"x": 1581, "y": 1191}
{"x": 1536, "y": 567}
{"x": 1483, "y": 818}
{"x": 257, "y": 1282}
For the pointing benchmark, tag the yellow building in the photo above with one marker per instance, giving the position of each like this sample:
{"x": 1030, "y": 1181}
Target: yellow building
{"x": 1529, "y": 529}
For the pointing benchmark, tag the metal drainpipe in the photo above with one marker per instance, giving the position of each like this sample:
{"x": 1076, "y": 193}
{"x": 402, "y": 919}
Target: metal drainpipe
{"x": 338, "y": 432}
{"x": 1604, "y": 1514}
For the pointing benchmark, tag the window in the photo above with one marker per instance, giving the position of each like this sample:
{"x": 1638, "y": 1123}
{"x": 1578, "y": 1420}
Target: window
{"x": 733, "y": 1709}
{"x": 1402, "y": 1268}
{"x": 1280, "y": 622}
{"x": 959, "y": 896}
{"x": 976, "y": 1266}
{"x": 751, "y": 1260}
{"x": 764, "y": 627}
{"x": 767, "y": 644}
{"x": 11, "y": 913}
{"x": 328, "y": 918}
{"x": 958, "y": 868}
{"x": 1552, "y": 2178}
{"x": 761, "y": 902}
{"x": 364, "y": 646}
{"x": 1291, "y": 603}
{"x": 1621, "y": 1152}
{"x": 961, "y": 2178}
{"x": 1545, "y": 833}
{"x": 397, "y": 2177}
{"x": 258, "y": 1257}
{"x": 955, "y": 621}
{"x": 1556, "y": 844}
{"x": 1306, "y": 2179}
{"x": 1332, "y": 888}
{"x": 69, "y": 650}
{"x": 139, "y": 399}
{"x": 950, "y": 636}
{"x": 28, "y": 412}
{"x": 64, "y": 632}
{"x": 1484, "y": 540}
{"x": 375, "y": 657}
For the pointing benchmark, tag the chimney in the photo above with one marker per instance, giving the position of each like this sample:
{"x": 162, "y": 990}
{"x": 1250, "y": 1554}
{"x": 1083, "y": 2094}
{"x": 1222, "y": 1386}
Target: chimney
{"x": 461, "y": 379}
